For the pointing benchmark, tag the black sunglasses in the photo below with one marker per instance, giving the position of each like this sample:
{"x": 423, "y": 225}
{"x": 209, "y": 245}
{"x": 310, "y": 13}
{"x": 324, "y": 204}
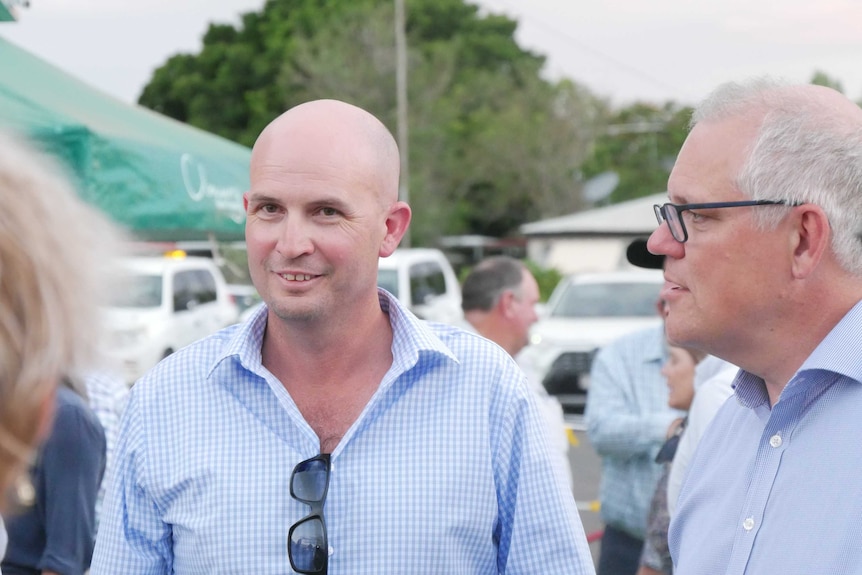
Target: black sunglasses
{"x": 307, "y": 546}
{"x": 672, "y": 213}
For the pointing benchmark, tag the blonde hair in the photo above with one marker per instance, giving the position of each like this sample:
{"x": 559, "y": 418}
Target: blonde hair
{"x": 55, "y": 256}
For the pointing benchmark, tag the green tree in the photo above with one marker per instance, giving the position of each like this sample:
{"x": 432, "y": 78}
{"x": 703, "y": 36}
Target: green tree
{"x": 492, "y": 144}
{"x": 639, "y": 143}
{"x": 820, "y": 78}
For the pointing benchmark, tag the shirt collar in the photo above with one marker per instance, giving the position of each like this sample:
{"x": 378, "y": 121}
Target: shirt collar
{"x": 837, "y": 353}
{"x": 412, "y": 338}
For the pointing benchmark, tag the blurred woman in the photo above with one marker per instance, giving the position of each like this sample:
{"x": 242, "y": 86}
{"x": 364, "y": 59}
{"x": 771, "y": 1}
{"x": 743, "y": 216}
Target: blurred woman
{"x": 679, "y": 372}
{"x": 54, "y": 262}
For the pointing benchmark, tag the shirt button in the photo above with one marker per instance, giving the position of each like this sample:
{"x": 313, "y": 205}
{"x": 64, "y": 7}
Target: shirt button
{"x": 748, "y": 524}
{"x": 775, "y": 440}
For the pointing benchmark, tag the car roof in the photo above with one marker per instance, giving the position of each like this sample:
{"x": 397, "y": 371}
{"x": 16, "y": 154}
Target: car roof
{"x": 409, "y": 255}
{"x": 157, "y": 264}
{"x": 622, "y": 276}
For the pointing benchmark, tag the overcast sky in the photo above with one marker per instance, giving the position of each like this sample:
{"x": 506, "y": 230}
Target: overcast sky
{"x": 624, "y": 50}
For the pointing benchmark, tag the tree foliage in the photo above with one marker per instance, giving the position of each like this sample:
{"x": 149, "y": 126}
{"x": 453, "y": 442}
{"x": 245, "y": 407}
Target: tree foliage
{"x": 492, "y": 144}
{"x": 639, "y": 143}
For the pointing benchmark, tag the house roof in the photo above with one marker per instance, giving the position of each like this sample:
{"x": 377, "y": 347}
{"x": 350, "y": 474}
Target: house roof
{"x": 630, "y": 218}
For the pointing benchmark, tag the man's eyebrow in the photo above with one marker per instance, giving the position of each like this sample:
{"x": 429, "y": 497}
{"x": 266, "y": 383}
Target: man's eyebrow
{"x": 258, "y": 197}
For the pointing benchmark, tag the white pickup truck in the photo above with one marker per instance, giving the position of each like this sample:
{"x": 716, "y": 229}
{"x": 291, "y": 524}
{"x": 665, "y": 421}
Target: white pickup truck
{"x": 424, "y": 281}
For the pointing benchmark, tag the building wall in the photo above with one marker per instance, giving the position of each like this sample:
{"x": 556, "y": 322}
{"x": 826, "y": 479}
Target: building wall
{"x": 575, "y": 255}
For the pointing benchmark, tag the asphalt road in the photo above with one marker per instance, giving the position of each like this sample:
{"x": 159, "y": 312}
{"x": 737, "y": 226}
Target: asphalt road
{"x": 586, "y": 472}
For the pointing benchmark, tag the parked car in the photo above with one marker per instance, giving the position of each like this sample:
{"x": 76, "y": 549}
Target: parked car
{"x": 245, "y": 296}
{"x": 424, "y": 281}
{"x": 585, "y": 312}
{"x": 165, "y": 303}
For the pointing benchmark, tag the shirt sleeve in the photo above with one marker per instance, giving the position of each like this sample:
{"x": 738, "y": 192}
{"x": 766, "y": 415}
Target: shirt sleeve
{"x": 539, "y": 529}
{"x": 617, "y": 423}
{"x": 73, "y": 462}
{"x": 132, "y": 536}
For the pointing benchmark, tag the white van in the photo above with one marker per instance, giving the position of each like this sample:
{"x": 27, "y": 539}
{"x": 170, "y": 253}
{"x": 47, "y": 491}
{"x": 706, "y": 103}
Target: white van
{"x": 424, "y": 281}
{"x": 165, "y": 303}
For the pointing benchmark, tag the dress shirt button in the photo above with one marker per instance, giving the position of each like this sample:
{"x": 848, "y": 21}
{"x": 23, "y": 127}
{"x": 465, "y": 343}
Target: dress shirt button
{"x": 748, "y": 524}
{"x": 775, "y": 440}
{"x": 331, "y": 550}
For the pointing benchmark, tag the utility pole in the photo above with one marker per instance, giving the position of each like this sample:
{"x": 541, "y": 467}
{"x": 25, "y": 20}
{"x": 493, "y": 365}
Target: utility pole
{"x": 401, "y": 95}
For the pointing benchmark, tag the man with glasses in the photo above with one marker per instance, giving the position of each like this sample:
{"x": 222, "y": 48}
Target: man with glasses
{"x": 333, "y": 432}
{"x": 764, "y": 269}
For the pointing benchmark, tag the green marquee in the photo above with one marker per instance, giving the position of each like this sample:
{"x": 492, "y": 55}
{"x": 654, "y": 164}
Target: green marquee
{"x": 159, "y": 178}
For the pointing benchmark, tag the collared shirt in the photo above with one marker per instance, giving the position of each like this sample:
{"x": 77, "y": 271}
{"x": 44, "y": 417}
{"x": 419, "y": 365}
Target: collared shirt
{"x": 445, "y": 471}
{"x": 778, "y": 490}
{"x": 627, "y": 419}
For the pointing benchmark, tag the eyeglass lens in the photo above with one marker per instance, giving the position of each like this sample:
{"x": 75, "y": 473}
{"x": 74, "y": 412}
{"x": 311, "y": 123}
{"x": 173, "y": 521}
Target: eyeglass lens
{"x": 668, "y": 213}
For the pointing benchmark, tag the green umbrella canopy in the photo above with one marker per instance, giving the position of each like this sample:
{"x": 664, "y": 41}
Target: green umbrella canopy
{"x": 159, "y": 178}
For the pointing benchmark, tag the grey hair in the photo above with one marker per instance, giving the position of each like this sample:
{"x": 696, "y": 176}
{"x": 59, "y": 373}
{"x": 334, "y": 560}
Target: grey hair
{"x": 491, "y": 277}
{"x": 803, "y": 153}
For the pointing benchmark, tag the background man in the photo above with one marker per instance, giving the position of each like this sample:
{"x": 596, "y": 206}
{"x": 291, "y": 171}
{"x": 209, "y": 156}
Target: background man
{"x": 499, "y": 298}
{"x": 764, "y": 269}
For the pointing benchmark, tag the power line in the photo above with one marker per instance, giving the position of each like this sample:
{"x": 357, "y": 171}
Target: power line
{"x": 584, "y": 47}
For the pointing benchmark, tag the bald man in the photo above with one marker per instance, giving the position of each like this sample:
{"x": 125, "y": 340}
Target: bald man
{"x": 763, "y": 268}
{"x": 334, "y": 432}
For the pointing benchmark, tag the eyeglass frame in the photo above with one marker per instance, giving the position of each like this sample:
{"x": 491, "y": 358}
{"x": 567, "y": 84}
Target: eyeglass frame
{"x": 315, "y": 513}
{"x": 660, "y": 211}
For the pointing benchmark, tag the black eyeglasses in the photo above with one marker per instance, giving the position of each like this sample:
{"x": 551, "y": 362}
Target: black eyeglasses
{"x": 307, "y": 547}
{"x": 672, "y": 213}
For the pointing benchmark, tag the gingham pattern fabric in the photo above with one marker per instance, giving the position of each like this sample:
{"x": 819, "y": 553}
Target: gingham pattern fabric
{"x": 627, "y": 419}
{"x": 777, "y": 490}
{"x": 446, "y": 470}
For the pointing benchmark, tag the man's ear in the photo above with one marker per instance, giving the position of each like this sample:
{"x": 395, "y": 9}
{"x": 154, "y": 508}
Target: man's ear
{"x": 505, "y": 303}
{"x": 397, "y": 223}
{"x": 811, "y": 238}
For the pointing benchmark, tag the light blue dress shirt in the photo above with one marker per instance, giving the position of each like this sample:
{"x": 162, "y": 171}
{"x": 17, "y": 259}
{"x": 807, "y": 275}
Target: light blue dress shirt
{"x": 780, "y": 490}
{"x": 445, "y": 471}
{"x": 627, "y": 419}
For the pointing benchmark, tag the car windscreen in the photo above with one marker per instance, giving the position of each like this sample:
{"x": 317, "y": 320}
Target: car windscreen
{"x": 608, "y": 300}
{"x": 388, "y": 280}
{"x": 139, "y": 291}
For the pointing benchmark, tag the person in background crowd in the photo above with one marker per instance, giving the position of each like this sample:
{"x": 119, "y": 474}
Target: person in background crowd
{"x": 499, "y": 298}
{"x": 713, "y": 381}
{"x": 763, "y": 268}
{"x": 679, "y": 370}
{"x": 333, "y": 431}
{"x": 56, "y": 533}
{"x": 628, "y": 420}
{"x": 55, "y": 261}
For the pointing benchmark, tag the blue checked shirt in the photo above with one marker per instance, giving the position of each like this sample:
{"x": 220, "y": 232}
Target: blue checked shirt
{"x": 627, "y": 419}
{"x": 780, "y": 490}
{"x": 445, "y": 471}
